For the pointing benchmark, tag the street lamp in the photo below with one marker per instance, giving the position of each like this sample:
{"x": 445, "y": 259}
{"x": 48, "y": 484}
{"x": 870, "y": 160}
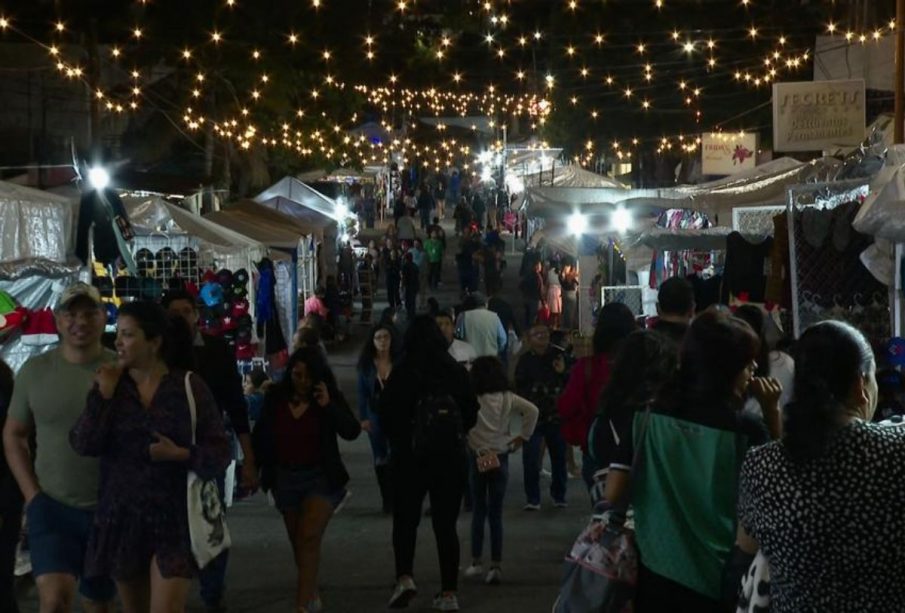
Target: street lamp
{"x": 99, "y": 178}
{"x": 577, "y": 223}
{"x": 621, "y": 220}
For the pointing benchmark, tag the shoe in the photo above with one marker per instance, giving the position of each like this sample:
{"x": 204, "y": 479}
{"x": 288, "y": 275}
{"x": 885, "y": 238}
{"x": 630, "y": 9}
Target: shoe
{"x": 531, "y": 507}
{"x": 475, "y": 570}
{"x": 562, "y": 504}
{"x": 403, "y": 594}
{"x": 494, "y": 576}
{"x": 447, "y": 602}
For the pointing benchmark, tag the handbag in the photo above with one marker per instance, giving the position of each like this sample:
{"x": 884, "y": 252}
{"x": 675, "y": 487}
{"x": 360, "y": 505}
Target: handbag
{"x": 601, "y": 570}
{"x": 754, "y": 596}
{"x": 208, "y": 531}
{"x": 487, "y": 461}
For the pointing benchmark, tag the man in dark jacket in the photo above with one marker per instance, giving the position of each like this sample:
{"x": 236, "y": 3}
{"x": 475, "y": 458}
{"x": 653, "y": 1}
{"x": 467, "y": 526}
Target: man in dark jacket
{"x": 540, "y": 377}
{"x": 216, "y": 365}
{"x": 427, "y": 373}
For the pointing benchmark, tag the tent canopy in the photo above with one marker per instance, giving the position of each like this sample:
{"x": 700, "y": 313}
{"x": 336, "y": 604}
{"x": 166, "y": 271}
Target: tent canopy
{"x": 35, "y": 224}
{"x": 300, "y": 201}
{"x": 264, "y": 225}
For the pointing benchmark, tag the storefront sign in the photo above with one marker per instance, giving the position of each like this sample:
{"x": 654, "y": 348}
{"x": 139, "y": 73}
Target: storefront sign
{"x": 817, "y": 116}
{"x": 726, "y": 153}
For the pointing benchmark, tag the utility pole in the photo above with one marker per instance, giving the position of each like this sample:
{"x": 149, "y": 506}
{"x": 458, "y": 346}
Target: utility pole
{"x": 899, "y": 133}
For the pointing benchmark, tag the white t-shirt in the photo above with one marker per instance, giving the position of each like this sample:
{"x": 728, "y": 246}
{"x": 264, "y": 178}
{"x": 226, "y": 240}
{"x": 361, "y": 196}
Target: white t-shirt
{"x": 782, "y": 368}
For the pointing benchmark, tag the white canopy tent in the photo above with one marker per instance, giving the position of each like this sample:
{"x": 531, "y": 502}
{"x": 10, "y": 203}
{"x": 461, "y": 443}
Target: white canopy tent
{"x": 35, "y": 224}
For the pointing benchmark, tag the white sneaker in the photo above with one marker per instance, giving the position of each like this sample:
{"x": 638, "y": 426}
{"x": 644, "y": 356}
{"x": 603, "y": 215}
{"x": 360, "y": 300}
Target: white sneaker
{"x": 531, "y": 507}
{"x": 448, "y": 602}
{"x": 475, "y": 570}
{"x": 403, "y": 594}
{"x": 562, "y": 504}
{"x": 494, "y": 576}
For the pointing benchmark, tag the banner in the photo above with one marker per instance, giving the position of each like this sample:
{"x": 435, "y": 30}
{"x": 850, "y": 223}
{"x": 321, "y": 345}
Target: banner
{"x": 726, "y": 153}
{"x": 817, "y": 116}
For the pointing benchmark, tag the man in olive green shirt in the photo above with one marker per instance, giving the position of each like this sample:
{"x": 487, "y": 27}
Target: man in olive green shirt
{"x": 61, "y": 490}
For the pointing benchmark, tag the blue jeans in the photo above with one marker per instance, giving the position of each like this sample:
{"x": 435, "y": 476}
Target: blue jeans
{"x": 213, "y": 576}
{"x": 380, "y": 447}
{"x": 488, "y": 490}
{"x": 533, "y": 461}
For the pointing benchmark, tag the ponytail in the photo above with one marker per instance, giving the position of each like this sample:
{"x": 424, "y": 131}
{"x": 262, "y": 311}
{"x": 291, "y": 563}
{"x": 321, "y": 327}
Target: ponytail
{"x": 829, "y": 359}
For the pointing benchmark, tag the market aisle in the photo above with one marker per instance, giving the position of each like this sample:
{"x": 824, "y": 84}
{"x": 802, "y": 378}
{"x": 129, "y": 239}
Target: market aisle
{"x": 357, "y": 570}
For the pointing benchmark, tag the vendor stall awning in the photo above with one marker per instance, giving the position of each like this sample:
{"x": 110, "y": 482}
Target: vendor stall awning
{"x": 300, "y": 201}
{"x": 262, "y": 224}
{"x": 34, "y": 224}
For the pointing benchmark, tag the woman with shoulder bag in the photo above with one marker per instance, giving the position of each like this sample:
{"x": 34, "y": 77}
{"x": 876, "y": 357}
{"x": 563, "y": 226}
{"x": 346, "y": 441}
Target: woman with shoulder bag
{"x": 295, "y": 444}
{"x": 490, "y": 443}
{"x": 138, "y": 420}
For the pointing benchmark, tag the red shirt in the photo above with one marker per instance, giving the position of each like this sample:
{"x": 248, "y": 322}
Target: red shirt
{"x": 298, "y": 438}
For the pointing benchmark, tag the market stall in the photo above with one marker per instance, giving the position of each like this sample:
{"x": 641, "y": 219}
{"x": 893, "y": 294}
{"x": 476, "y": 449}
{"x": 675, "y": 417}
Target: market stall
{"x": 36, "y": 265}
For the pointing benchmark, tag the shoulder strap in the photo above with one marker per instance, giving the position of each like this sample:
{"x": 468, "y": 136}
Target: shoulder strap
{"x": 191, "y": 398}
{"x": 636, "y": 460}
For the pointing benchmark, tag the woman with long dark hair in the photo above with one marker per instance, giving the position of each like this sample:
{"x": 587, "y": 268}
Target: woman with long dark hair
{"x": 770, "y": 362}
{"x": 577, "y": 404}
{"x": 428, "y": 455}
{"x": 138, "y": 422}
{"x": 822, "y": 502}
{"x": 646, "y": 361}
{"x": 378, "y": 356}
{"x": 691, "y": 444}
{"x": 297, "y": 451}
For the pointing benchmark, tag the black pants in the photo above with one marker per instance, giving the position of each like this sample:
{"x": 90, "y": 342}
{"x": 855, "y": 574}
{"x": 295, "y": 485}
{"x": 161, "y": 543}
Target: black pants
{"x": 411, "y": 304}
{"x": 443, "y": 479}
{"x": 434, "y": 278}
{"x": 658, "y": 594}
{"x": 393, "y": 291}
{"x": 10, "y": 525}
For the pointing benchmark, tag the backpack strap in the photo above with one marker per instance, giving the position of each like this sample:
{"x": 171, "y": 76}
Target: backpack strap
{"x": 190, "y": 396}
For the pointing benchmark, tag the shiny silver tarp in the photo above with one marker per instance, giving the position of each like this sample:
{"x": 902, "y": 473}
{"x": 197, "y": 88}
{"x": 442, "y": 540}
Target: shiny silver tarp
{"x": 35, "y": 284}
{"x": 35, "y": 224}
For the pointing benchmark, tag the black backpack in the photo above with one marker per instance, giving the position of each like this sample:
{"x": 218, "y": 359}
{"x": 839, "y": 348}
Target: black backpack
{"x": 437, "y": 429}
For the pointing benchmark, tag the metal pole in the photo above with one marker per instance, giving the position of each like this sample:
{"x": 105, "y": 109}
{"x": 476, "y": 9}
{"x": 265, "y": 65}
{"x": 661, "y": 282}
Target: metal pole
{"x": 899, "y": 134}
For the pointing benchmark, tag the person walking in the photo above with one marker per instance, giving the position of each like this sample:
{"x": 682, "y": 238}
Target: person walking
{"x": 540, "y": 376}
{"x": 426, "y": 408}
{"x": 215, "y": 363}
{"x": 420, "y": 257}
{"x": 492, "y": 438}
{"x": 462, "y": 352}
{"x": 375, "y": 364}
{"x": 532, "y": 289}
{"x": 411, "y": 285}
{"x": 481, "y": 327}
{"x": 10, "y": 506}
{"x": 139, "y": 423}
{"x": 300, "y": 461}
{"x": 60, "y": 487}
{"x": 405, "y": 229}
{"x": 393, "y": 267}
{"x": 554, "y": 295}
{"x": 818, "y": 502}
{"x": 568, "y": 281}
{"x": 434, "y": 248}
{"x": 578, "y": 403}
{"x": 425, "y": 205}
{"x": 693, "y": 440}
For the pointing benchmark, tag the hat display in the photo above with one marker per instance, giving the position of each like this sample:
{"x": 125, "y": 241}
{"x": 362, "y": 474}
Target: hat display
{"x": 40, "y": 327}
{"x": 212, "y": 294}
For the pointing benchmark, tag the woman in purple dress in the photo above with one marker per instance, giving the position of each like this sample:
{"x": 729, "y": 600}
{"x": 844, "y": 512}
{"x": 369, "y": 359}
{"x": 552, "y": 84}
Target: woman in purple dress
{"x": 138, "y": 421}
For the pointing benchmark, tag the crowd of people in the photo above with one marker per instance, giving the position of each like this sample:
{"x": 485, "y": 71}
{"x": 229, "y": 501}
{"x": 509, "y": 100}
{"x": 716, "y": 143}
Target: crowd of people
{"x": 731, "y": 454}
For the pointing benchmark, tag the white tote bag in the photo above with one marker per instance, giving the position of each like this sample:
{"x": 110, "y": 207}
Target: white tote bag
{"x": 207, "y": 517}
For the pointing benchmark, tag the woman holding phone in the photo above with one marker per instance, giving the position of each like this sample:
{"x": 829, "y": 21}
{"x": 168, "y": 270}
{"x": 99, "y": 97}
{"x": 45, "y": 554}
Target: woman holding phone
{"x": 300, "y": 461}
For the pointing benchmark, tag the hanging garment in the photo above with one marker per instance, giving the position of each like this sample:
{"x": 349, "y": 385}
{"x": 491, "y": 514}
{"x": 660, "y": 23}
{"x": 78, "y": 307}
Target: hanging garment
{"x": 747, "y": 265}
{"x": 268, "y": 325}
{"x": 103, "y": 218}
{"x": 779, "y": 281}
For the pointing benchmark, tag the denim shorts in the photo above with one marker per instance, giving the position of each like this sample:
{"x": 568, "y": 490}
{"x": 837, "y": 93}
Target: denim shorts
{"x": 58, "y": 537}
{"x": 295, "y": 485}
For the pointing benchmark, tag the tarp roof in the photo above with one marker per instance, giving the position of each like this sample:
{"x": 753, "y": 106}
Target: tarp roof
{"x": 156, "y": 214}
{"x": 264, "y": 225}
{"x": 765, "y": 184}
{"x": 35, "y": 224}
{"x": 575, "y": 176}
{"x": 298, "y": 200}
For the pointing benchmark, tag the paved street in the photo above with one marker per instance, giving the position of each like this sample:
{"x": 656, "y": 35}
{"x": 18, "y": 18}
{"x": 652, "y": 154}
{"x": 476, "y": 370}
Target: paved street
{"x": 357, "y": 570}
